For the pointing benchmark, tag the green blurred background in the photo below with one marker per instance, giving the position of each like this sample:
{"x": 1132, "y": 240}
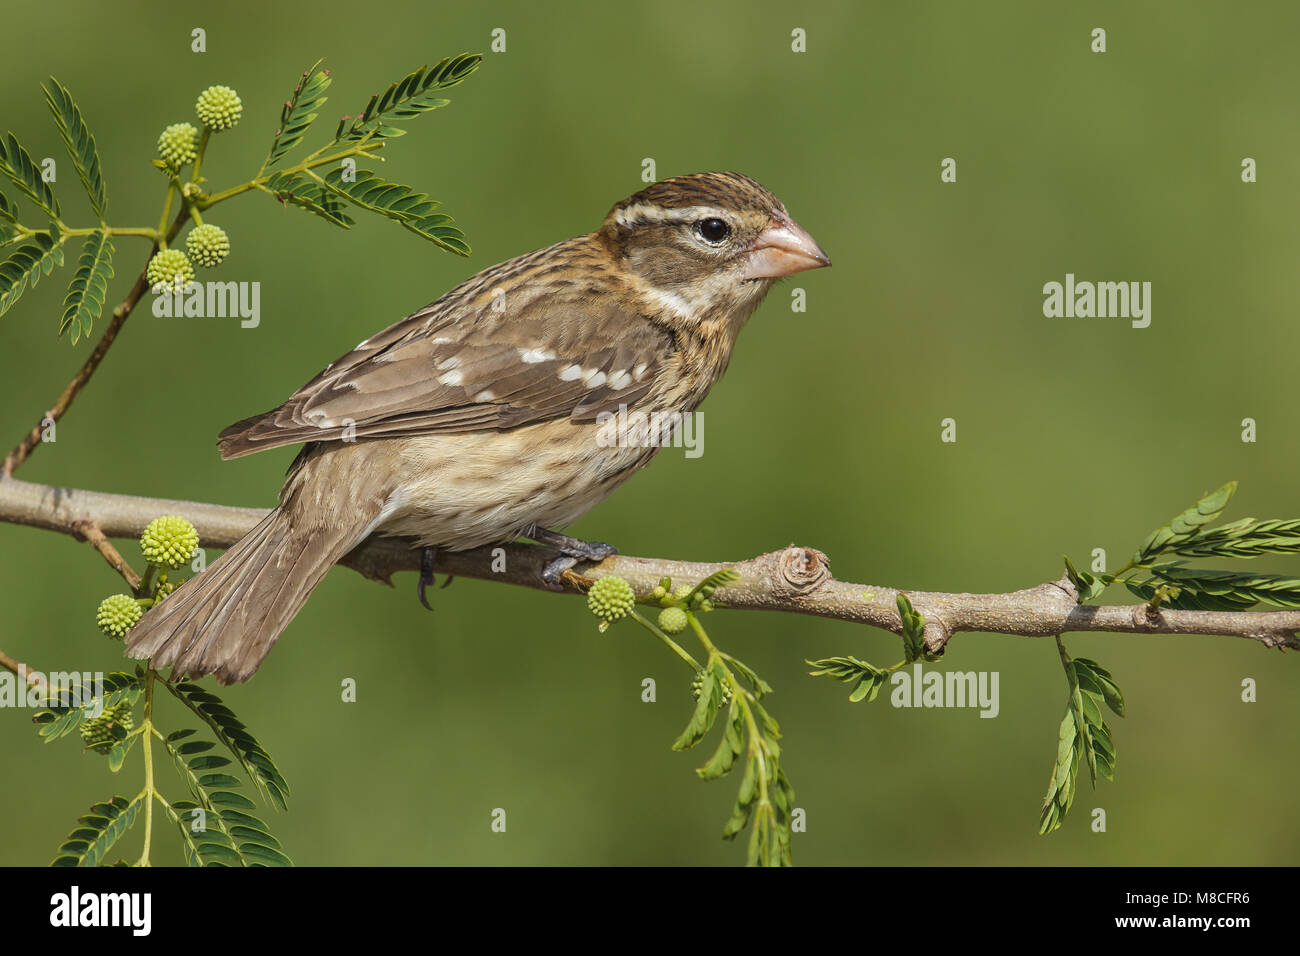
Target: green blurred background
{"x": 1073, "y": 433}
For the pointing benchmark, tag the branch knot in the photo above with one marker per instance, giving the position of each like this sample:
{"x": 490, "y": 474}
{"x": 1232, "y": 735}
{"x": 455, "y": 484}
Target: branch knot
{"x": 801, "y": 570}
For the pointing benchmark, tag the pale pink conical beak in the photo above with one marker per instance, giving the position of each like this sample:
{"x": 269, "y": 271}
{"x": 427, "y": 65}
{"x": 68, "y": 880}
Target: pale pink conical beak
{"x": 782, "y": 249}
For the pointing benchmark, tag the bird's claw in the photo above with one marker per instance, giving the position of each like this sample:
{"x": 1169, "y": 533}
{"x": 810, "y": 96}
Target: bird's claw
{"x": 572, "y": 550}
{"x": 426, "y": 575}
{"x": 595, "y": 551}
{"x": 554, "y": 569}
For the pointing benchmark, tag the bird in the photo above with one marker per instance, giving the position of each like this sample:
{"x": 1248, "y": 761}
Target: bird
{"x": 473, "y": 421}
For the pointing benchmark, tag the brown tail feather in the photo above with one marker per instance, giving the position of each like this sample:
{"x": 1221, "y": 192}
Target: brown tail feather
{"x": 226, "y": 620}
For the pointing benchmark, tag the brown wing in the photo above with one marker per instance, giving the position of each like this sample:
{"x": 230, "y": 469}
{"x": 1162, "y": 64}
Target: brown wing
{"x": 547, "y": 350}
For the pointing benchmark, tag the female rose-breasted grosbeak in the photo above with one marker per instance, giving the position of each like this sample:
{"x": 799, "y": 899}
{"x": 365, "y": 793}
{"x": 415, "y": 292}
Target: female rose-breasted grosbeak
{"x": 474, "y": 420}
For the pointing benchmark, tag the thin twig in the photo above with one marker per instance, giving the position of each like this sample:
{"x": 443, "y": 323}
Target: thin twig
{"x": 794, "y": 579}
{"x": 56, "y": 411}
{"x": 24, "y": 448}
{"x": 18, "y": 667}
{"x": 87, "y": 530}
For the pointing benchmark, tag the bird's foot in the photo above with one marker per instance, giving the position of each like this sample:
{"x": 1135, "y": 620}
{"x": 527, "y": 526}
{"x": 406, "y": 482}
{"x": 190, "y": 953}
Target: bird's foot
{"x": 426, "y": 574}
{"x": 554, "y": 569}
{"x": 572, "y": 550}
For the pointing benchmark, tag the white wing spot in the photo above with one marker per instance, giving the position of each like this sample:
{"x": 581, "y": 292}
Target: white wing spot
{"x": 570, "y": 372}
{"x": 639, "y": 371}
{"x": 450, "y": 378}
{"x": 620, "y": 379}
{"x": 594, "y": 379}
{"x": 441, "y": 340}
{"x": 533, "y": 356}
{"x": 485, "y": 396}
{"x": 449, "y": 363}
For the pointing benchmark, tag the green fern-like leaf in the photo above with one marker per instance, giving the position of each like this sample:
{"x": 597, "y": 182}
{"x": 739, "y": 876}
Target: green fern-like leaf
{"x": 413, "y": 210}
{"x": 760, "y": 686}
{"x": 706, "y": 587}
{"x": 1246, "y": 538}
{"x": 8, "y": 211}
{"x": 913, "y": 628}
{"x": 712, "y": 682}
{"x": 1186, "y": 525}
{"x": 299, "y": 112}
{"x": 730, "y": 747}
{"x": 306, "y": 193}
{"x": 257, "y": 763}
{"x": 867, "y": 679}
{"x": 99, "y": 831}
{"x": 84, "y": 302}
{"x": 1229, "y": 590}
{"x": 231, "y": 835}
{"x": 37, "y": 256}
{"x": 79, "y": 143}
{"x": 54, "y": 724}
{"x": 1084, "y": 738}
{"x": 60, "y": 717}
{"x": 17, "y": 164}
{"x": 412, "y": 95}
{"x": 1060, "y": 788}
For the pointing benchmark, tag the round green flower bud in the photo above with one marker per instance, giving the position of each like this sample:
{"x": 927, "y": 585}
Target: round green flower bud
{"x": 208, "y": 245}
{"x": 178, "y": 144}
{"x": 170, "y": 268}
{"x": 697, "y": 685}
{"x": 169, "y": 541}
{"x": 682, "y": 591}
{"x": 672, "y": 620}
{"x": 659, "y": 592}
{"x": 166, "y": 588}
{"x": 611, "y": 598}
{"x": 219, "y": 108}
{"x": 117, "y": 614}
{"x": 121, "y": 715}
{"x": 97, "y": 733}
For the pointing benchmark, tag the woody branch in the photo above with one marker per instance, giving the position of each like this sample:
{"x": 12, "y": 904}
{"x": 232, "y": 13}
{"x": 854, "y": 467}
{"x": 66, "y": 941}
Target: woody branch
{"x": 795, "y": 579}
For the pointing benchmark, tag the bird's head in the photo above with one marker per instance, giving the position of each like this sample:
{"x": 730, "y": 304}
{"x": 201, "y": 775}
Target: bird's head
{"x": 709, "y": 243}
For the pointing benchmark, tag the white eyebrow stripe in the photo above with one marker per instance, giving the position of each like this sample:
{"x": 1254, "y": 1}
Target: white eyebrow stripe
{"x": 644, "y": 212}
{"x": 532, "y": 356}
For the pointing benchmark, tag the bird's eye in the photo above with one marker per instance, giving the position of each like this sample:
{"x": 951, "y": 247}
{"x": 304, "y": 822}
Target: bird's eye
{"x": 712, "y": 230}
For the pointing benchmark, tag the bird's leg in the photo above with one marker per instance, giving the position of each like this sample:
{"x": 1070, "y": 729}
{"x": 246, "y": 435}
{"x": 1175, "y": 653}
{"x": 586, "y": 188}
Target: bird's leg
{"x": 572, "y": 550}
{"x": 426, "y": 573}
